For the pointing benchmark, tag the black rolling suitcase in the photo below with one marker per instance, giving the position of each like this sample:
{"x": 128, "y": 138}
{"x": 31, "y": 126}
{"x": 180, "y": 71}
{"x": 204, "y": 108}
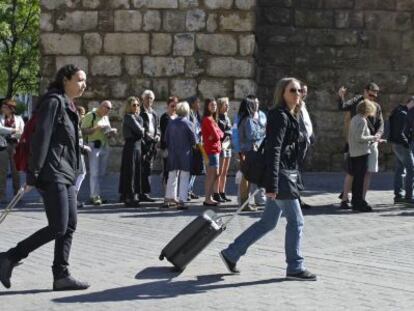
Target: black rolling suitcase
{"x": 195, "y": 237}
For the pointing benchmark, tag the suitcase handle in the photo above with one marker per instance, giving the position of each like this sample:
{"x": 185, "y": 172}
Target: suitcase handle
{"x": 230, "y": 218}
{"x": 12, "y": 204}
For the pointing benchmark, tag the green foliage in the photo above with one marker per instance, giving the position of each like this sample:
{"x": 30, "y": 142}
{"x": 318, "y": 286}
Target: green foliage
{"x": 20, "y": 108}
{"x": 19, "y": 46}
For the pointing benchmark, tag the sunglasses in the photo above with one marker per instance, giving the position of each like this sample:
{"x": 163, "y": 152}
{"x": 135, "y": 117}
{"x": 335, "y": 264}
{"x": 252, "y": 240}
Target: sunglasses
{"x": 297, "y": 91}
{"x": 134, "y": 105}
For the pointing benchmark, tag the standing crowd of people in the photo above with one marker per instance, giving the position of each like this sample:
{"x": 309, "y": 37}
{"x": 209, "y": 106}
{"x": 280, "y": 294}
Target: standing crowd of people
{"x": 192, "y": 140}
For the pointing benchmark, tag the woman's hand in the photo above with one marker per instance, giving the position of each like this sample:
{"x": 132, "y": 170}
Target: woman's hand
{"x": 271, "y": 195}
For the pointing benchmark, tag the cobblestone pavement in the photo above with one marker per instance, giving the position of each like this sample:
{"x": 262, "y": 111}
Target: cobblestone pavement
{"x": 363, "y": 261}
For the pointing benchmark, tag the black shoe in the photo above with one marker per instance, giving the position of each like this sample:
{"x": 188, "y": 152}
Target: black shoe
{"x": 229, "y": 265}
{"x": 305, "y": 275}
{"x": 217, "y": 197}
{"x": 344, "y": 205}
{"x": 182, "y": 206}
{"x": 6, "y": 269}
{"x": 210, "y": 204}
{"x": 224, "y": 197}
{"x": 193, "y": 196}
{"x": 69, "y": 283}
{"x": 131, "y": 203}
{"x": 146, "y": 198}
{"x": 361, "y": 208}
{"x": 398, "y": 199}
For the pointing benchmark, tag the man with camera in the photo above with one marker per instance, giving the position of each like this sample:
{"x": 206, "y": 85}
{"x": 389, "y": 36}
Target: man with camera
{"x": 97, "y": 130}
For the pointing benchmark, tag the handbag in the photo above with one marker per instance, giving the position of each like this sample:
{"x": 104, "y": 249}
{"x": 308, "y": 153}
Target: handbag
{"x": 289, "y": 184}
{"x": 3, "y": 143}
{"x": 254, "y": 165}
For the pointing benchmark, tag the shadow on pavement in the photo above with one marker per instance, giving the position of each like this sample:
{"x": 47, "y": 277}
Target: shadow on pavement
{"x": 162, "y": 289}
{"x": 157, "y": 273}
{"x": 25, "y": 292}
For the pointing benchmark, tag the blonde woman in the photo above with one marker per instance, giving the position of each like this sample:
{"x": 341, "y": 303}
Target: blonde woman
{"x": 360, "y": 140}
{"x": 133, "y": 131}
{"x": 224, "y": 123}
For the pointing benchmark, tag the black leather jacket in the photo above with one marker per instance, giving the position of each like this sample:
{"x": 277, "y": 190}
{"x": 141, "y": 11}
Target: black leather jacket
{"x": 400, "y": 129}
{"x": 132, "y": 127}
{"x": 54, "y": 146}
{"x": 281, "y": 149}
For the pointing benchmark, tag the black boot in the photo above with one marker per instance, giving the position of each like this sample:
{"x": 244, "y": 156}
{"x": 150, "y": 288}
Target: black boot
{"x": 217, "y": 197}
{"x": 6, "y": 269}
{"x": 69, "y": 283}
{"x": 223, "y": 196}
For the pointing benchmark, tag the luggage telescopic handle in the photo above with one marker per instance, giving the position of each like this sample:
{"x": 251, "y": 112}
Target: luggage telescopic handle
{"x": 12, "y": 204}
{"x": 230, "y": 218}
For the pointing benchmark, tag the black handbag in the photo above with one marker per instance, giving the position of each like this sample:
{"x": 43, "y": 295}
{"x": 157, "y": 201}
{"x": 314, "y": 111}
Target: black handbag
{"x": 254, "y": 165}
{"x": 289, "y": 184}
{"x": 3, "y": 143}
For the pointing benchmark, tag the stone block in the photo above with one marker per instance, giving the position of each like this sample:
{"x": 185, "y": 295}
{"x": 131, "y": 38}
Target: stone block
{"x": 217, "y": 44}
{"x": 133, "y": 65}
{"x": 60, "y": 44}
{"x": 156, "y": 4}
{"x": 106, "y": 66}
{"x": 183, "y": 88}
{"x": 161, "y": 44}
{"x": 55, "y": 4}
{"x": 119, "y": 4}
{"x": 160, "y": 88}
{"x": 405, "y": 5}
{"x": 196, "y": 20}
{"x": 91, "y": 4}
{"x": 245, "y": 4}
{"x": 80, "y": 61}
{"x": 126, "y": 43}
{"x": 78, "y": 21}
{"x": 339, "y": 4}
{"x": 183, "y": 44}
{"x": 388, "y": 20}
{"x": 230, "y": 67}
{"x": 127, "y": 20}
{"x": 194, "y": 66}
{"x": 119, "y": 88}
{"x": 244, "y": 87}
{"x": 247, "y": 44}
{"x": 46, "y": 22}
{"x": 139, "y": 85}
{"x": 349, "y": 19}
{"x": 174, "y": 21}
{"x": 48, "y": 66}
{"x": 92, "y": 43}
{"x": 240, "y": 21}
{"x": 163, "y": 66}
{"x": 314, "y": 18}
{"x": 152, "y": 20}
{"x": 212, "y": 23}
{"x": 215, "y": 88}
{"x": 96, "y": 88}
{"x": 106, "y": 21}
{"x": 187, "y": 4}
{"x": 218, "y": 4}
{"x": 277, "y": 16}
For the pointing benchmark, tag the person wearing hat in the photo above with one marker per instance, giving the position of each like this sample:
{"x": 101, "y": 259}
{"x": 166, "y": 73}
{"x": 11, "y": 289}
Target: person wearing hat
{"x": 376, "y": 128}
{"x": 11, "y": 128}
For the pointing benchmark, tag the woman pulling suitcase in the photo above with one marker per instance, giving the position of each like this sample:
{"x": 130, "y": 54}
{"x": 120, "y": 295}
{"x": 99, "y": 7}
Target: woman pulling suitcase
{"x": 281, "y": 152}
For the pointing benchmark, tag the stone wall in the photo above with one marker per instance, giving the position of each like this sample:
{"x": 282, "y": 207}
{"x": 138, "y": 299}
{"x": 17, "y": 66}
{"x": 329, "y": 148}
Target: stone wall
{"x": 329, "y": 43}
{"x": 174, "y": 47}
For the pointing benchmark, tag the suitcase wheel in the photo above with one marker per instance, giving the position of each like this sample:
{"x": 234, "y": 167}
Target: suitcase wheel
{"x": 161, "y": 256}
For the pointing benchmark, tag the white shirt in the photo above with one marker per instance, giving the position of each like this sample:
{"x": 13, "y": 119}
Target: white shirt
{"x": 307, "y": 122}
{"x": 19, "y": 123}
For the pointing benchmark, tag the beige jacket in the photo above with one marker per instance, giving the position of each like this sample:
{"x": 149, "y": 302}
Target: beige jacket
{"x": 359, "y": 136}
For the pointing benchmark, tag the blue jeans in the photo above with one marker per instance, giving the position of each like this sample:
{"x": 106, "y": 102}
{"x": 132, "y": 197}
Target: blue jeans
{"x": 404, "y": 161}
{"x": 271, "y": 214}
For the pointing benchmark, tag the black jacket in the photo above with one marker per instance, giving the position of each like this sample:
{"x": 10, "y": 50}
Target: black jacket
{"x": 281, "y": 149}
{"x": 54, "y": 146}
{"x": 375, "y": 123}
{"x": 400, "y": 129}
{"x": 224, "y": 124}
{"x": 132, "y": 127}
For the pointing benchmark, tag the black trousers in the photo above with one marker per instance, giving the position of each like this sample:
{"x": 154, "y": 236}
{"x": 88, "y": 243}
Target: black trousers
{"x": 146, "y": 166}
{"x": 61, "y": 211}
{"x": 359, "y": 167}
{"x": 130, "y": 176}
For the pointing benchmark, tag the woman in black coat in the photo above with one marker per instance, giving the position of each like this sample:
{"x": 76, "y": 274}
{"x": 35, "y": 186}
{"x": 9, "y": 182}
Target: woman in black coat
{"x": 53, "y": 166}
{"x": 281, "y": 183}
{"x": 130, "y": 176}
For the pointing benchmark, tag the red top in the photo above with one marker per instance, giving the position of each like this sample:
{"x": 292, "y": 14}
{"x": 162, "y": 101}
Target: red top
{"x": 212, "y": 135}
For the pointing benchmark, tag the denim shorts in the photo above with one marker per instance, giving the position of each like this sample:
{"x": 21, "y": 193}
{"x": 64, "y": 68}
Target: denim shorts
{"x": 214, "y": 160}
{"x": 225, "y": 153}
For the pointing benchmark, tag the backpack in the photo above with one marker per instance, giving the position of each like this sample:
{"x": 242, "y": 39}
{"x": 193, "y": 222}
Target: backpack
{"x": 254, "y": 165}
{"x": 21, "y": 155}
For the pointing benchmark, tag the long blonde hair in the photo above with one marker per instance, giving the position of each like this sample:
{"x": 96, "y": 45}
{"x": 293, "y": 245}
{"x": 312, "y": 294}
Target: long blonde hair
{"x": 278, "y": 99}
{"x": 129, "y": 101}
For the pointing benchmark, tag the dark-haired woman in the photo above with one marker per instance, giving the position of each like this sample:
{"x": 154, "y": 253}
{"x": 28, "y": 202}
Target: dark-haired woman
{"x": 212, "y": 135}
{"x": 281, "y": 154}
{"x": 133, "y": 131}
{"x": 53, "y": 164}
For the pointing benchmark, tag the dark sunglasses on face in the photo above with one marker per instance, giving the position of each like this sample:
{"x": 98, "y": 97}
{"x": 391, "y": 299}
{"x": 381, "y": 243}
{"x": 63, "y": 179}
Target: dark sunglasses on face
{"x": 297, "y": 91}
{"x": 134, "y": 105}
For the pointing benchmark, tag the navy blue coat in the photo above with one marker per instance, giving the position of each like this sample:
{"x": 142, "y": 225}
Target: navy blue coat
{"x": 180, "y": 139}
